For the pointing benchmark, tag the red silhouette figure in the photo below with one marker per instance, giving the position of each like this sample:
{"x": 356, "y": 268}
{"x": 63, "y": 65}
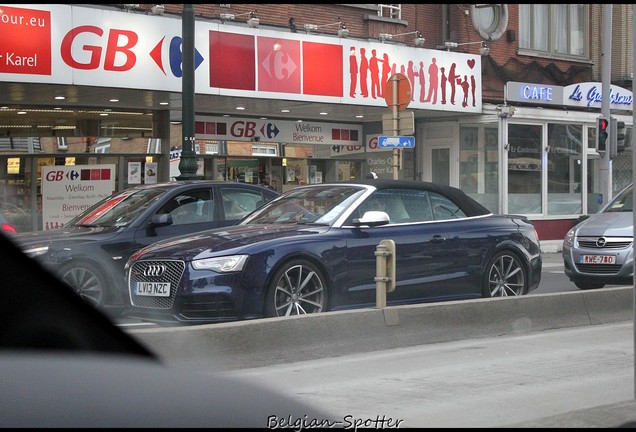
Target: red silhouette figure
{"x": 452, "y": 78}
{"x": 386, "y": 70}
{"x": 432, "y": 82}
{"x": 465, "y": 86}
{"x": 353, "y": 70}
{"x": 364, "y": 70}
{"x": 443, "y": 85}
{"x": 472, "y": 87}
{"x": 410, "y": 73}
{"x": 393, "y": 69}
{"x": 422, "y": 78}
{"x": 374, "y": 70}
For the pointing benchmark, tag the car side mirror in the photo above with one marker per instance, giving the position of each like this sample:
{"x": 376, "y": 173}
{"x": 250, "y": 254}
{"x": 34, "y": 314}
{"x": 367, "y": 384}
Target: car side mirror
{"x": 160, "y": 220}
{"x": 372, "y": 218}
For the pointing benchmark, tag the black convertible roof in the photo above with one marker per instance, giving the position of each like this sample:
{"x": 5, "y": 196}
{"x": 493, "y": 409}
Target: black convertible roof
{"x": 466, "y": 203}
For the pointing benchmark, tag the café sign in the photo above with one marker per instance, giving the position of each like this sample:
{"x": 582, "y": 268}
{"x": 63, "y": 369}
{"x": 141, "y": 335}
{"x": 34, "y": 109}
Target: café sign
{"x": 581, "y": 95}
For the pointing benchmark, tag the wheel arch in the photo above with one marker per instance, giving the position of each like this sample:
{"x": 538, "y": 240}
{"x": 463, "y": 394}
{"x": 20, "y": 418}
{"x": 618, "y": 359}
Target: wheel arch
{"x": 508, "y": 246}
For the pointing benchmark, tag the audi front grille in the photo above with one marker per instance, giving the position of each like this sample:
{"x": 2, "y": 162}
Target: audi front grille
{"x": 155, "y": 271}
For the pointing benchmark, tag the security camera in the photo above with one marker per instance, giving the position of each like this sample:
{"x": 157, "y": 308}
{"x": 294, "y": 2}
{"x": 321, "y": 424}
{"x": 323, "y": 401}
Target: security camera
{"x": 157, "y": 9}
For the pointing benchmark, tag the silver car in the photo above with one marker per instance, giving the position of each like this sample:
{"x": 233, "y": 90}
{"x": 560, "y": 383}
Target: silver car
{"x": 598, "y": 251}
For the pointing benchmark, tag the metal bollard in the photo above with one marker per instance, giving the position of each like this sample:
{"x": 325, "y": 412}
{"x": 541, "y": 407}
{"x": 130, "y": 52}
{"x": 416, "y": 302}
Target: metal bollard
{"x": 384, "y": 271}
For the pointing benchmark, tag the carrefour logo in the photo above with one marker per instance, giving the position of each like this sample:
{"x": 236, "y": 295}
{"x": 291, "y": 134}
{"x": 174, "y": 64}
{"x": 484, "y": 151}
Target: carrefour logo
{"x": 269, "y": 130}
{"x": 175, "y": 56}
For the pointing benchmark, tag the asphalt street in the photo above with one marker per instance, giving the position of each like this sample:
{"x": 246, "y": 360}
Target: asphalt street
{"x": 538, "y": 379}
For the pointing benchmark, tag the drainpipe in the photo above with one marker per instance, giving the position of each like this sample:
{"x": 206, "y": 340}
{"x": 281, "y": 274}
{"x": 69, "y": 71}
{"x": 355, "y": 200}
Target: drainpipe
{"x": 445, "y": 22}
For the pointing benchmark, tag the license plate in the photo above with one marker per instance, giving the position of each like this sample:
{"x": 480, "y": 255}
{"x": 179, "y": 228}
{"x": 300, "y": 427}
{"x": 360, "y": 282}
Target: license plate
{"x": 154, "y": 289}
{"x": 598, "y": 259}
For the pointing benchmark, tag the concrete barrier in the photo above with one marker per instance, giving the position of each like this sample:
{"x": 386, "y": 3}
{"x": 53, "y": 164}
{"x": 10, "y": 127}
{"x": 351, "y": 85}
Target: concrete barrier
{"x": 264, "y": 342}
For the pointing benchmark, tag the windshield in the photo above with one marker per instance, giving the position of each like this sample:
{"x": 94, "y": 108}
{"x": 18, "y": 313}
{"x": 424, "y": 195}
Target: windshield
{"x": 118, "y": 210}
{"x": 622, "y": 203}
{"x": 316, "y": 205}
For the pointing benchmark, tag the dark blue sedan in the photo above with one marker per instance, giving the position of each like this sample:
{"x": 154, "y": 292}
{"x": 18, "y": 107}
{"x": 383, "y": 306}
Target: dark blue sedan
{"x": 90, "y": 251}
{"x": 312, "y": 250}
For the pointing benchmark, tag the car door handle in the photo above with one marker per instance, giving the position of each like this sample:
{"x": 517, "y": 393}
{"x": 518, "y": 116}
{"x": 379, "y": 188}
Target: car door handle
{"x": 438, "y": 239}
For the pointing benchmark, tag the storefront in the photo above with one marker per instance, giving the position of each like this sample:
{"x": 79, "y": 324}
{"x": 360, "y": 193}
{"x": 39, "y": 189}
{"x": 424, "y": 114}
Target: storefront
{"x": 128, "y": 65}
{"x": 536, "y": 155}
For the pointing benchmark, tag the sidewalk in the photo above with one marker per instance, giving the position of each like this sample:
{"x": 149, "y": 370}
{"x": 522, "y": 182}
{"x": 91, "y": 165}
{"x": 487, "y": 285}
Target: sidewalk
{"x": 551, "y": 246}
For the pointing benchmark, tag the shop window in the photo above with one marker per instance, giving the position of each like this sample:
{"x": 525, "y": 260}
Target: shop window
{"x": 479, "y": 164}
{"x": 564, "y": 154}
{"x": 525, "y": 164}
{"x": 440, "y": 165}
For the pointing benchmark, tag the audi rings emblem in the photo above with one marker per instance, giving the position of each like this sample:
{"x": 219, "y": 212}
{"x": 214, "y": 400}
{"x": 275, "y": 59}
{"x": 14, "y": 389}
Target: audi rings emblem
{"x": 601, "y": 242}
{"x": 154, "y": 270}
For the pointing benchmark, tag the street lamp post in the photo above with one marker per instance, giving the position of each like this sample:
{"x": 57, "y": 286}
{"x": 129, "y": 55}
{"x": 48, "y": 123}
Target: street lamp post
{"x": 188, "y": 163}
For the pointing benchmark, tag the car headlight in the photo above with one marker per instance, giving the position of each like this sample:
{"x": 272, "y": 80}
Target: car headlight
{"x": 36, "y": 251}
{"x": 569, "y": 238}
{"x": 221, "y": 264}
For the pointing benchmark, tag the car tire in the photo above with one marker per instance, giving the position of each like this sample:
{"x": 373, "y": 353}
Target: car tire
{"x": 86, "y": 280}
{"x": 505, "y": 276}
{"x": 298, "y": 288}
{"x": 588, "y": 285}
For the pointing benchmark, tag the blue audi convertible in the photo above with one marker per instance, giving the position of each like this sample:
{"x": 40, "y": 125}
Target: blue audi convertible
{"x": 312, "y": 249}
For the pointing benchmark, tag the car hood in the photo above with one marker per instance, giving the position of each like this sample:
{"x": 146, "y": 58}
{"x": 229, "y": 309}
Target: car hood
{"x": 613, "y": 224}
{"x": 73, "y": 234}
{"x": 234, "y": 239}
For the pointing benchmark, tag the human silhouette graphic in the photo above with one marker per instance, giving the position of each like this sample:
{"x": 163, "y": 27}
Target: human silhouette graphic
{"x": 420, "y": 75}
{"x": 393, "y": 69}
{"x": 410, "y": 74}
{"x": 465, "y": 86}
{"x": 433, "y": 82}
{"x": 443, "y": 87}
{"x": 453, "y": 80}
{"x": 386, "y": 70}
{"x": 364, "y": 70}
{"x": 472, "y": 87}
{"x": 374, "y": 71}
{"x": 353, "y": 71}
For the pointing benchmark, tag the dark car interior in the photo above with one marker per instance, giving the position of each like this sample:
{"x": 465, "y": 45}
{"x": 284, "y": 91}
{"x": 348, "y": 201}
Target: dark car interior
{"x": 65, "y": 364}
{"x": 38, "y": 311}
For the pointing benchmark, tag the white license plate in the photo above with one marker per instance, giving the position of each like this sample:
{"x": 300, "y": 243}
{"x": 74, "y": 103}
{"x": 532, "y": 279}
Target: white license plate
{"x": 154, "y": 289}
{"x": 598, "y": 259}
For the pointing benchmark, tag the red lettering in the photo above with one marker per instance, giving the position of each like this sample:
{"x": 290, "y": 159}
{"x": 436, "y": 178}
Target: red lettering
{"x": 54, "y": 175}
{"x": 66, "y": 48}
{"x": 243, "y": 129}
{"x": 118, "y": 47}
{"x": 113, "y": 49}
{"x": 373, "y": 143}
{"x": 250, "y": 129}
